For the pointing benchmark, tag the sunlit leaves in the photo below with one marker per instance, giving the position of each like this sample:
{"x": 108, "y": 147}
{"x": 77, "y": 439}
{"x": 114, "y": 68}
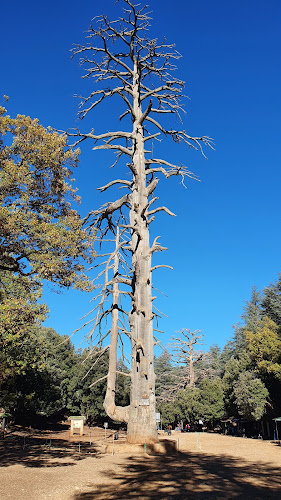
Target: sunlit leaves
{"x": 41, "y": 234}
{"x": 265, "y": 347}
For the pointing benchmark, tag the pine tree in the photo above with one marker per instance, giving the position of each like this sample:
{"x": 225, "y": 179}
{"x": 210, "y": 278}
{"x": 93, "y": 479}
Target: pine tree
{"x": 252, "y": 311}
{"x": 271, "y": 303}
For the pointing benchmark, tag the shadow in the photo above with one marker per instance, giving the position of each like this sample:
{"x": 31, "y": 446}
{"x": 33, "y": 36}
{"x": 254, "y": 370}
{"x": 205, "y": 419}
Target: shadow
{"x": 276, "y": 443}
{"x": 193, "y": 476}
{"x": 34, "y": 451}
{"x": 168, "y": 446}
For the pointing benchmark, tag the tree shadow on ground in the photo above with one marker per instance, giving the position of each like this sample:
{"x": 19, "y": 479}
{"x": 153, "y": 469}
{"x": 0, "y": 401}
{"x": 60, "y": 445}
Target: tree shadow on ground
{"x": 193, "y": 476}
{"x": 32, "y": 451}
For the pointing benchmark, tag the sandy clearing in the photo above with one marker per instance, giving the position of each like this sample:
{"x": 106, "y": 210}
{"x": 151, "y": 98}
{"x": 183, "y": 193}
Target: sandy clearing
{"x": 207, "y": 466}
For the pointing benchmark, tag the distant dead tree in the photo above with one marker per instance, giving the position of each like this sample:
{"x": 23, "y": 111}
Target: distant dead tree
{"x": 125, "y": 64}
{"x": 186, "y": 355}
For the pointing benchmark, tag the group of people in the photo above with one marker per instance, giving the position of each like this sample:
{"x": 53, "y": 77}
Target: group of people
{"x": 196, "y": 427}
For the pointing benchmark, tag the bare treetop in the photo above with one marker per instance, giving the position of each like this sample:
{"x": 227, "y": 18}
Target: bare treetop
{"x": 123, "y": 61}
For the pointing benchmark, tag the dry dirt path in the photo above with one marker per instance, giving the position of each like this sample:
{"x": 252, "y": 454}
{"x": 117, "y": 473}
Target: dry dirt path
{"x": 207, "y": 466}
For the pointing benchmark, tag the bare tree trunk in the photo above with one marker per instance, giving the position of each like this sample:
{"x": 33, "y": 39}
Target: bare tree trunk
{"x": 117, "y": 413}
{"x": 191, "y": 368}
{"x": 142, "y": 424}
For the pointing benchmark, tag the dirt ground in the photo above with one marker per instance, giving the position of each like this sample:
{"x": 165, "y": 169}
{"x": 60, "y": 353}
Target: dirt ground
{"x": 49, "y": 465}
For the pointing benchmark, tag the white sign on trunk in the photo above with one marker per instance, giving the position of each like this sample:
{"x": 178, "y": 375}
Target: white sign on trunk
{"x": 144, "y": 402}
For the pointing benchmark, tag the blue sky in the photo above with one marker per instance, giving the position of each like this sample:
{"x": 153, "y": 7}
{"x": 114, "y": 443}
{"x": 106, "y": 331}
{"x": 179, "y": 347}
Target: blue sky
{"x": 226, "y": 236}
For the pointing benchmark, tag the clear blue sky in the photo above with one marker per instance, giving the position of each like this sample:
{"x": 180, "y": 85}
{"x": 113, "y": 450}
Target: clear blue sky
{"x": 226, "y": 236}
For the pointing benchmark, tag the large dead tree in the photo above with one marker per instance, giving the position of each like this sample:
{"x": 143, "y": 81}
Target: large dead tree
{"x": 125, "y": 64}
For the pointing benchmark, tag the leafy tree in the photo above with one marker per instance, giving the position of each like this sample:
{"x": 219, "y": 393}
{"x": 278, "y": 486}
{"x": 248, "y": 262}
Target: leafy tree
{"x": 39, "y": 387}
{"x": 82, "y": 395}
{"x": 57, "y": 382}
{"x": 41, "y": 234}
{"x": 251, "y": 396}
{"x": 170, "y": 412}
{"x": 255, "y": 349}
{"x": 125, "y": 64}
{"x": 233, "y": 368}
{"x": 60, "y": 360}
{"x": 20, "y": 316}
{"x": 211, "y": 403}
{"x": 265, "y": 347}
{"x": 187, "y": 400}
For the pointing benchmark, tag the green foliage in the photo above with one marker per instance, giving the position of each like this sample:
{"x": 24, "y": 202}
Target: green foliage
{"x": 38, "y": 389}
{"x": 187, "y": 400}
{"x": 252, "y": 311}
{"x": 205, "y": 402}
{"x": 166, "y": 373}
{"x": 271, "y": 303}
{"x": 20, "y": 316}
{"x": 58, "y": 380}
{"x": 238, "y": 344}
{"x": 211, "y": 401}
{"x": 122, "y": 393}
{"x": 192, "y": 403}
{"x": 216, "y": 363}
{"x": 251, "y": 396}
{"x": 81, "y": 397}
{"x": 233, "y": 368}
{"x": 170, "y": 412}
{"x": 265, "y": 347}
{"x": 210, "y": 365}
{"x": 251, "y": 316}
{"x": 41, "y": 235}
{"x": 255, "y": 349}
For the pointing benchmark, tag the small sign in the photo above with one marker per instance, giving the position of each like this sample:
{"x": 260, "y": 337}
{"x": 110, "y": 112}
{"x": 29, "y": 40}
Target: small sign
{"x": 77, "y": 422}
{"x": 144, "y": 402}
{"x": 105, "y": 425}
{"x": 157, "y": 417}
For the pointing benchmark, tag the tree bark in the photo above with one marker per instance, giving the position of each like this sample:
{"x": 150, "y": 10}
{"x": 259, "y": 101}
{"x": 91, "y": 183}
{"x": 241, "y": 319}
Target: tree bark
{"x": 142, "y": 424}
{"x": 191, "y": 367}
